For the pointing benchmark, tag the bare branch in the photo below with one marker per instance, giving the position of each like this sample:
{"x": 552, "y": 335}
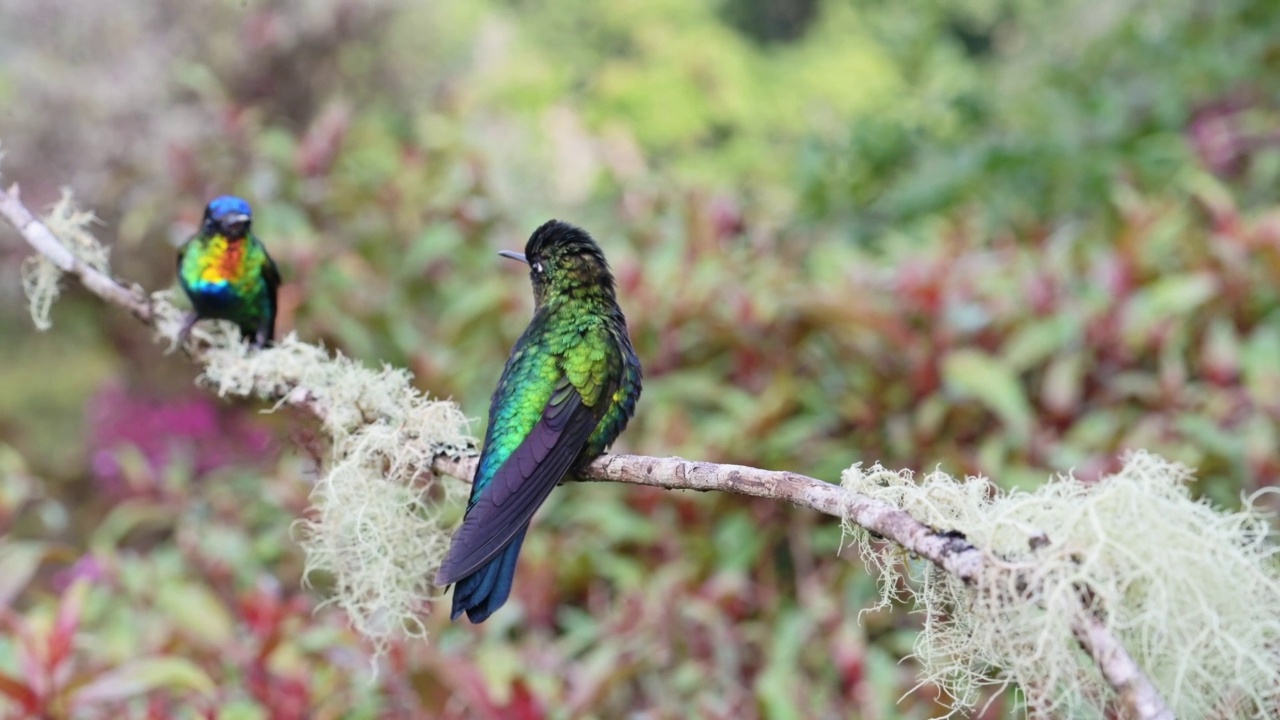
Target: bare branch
{"x": 1136, "y": 692}
{"x": 949, "y": 551}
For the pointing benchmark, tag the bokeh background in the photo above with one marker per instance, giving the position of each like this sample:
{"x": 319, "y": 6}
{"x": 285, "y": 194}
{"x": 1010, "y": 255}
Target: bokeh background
{"x": 1003, "y": 237}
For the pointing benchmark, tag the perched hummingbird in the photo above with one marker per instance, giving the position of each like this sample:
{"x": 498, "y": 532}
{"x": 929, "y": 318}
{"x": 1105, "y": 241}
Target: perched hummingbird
{"x": 227, "y": 273}
{"x": 566, "y": 393}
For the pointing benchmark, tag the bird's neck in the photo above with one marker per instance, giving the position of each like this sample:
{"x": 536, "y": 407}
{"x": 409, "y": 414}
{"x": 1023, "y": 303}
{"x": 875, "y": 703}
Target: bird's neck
{"x": 224, "y": 258}
{"x": 579, "y": 298}
{"x": 218, "y": 241}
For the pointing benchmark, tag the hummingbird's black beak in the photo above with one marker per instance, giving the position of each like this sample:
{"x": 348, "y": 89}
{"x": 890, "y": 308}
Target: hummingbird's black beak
{"x": 514, "y": 256}
{"x": 236, "y": 226}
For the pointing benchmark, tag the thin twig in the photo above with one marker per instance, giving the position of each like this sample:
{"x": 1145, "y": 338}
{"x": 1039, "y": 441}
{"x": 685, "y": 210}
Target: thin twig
{"x": 948, "y": 551}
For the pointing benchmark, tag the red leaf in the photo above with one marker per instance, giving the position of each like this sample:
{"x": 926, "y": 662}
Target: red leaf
{"x": 269, "y": 645}
{"x": 64, "y": 627}
{"x": 19, "y": 692}
{"x": 524, "y": 705}
{"x": 261, "y": 610}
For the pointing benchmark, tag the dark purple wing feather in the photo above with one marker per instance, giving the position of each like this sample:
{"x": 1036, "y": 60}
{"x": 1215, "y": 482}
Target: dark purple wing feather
{"x": 271, "y": 276}
{"x": 520, "y": 486}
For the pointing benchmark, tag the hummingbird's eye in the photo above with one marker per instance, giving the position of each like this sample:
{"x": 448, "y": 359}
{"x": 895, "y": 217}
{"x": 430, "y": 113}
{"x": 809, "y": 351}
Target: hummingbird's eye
{"x": 537, "y": 267}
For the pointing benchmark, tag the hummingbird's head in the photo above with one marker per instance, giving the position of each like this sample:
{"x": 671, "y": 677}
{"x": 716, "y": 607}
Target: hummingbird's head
{"x": 564, "y": 262}
{"x": 228, "y": 216}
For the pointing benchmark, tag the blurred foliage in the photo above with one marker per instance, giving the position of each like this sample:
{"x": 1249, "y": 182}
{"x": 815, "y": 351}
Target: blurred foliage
{"x": 1009, "y": 237}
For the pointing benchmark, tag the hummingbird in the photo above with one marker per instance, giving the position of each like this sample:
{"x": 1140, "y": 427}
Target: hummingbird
{"x": 566, "y": 393}
{"x": 227, "y": 273}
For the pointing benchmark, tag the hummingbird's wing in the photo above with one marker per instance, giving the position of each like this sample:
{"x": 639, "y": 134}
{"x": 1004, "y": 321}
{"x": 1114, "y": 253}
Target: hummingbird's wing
{"x": 271, "y": 276}
{"x": 182, "y": 252}
{"x": 520, "y": 486}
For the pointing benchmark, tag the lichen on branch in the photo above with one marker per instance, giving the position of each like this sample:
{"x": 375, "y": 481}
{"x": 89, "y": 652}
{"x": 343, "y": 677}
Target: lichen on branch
{"x": 376, "y": 532}
{"x": 1193, "y": 592}
{"x": 41, "y": 278}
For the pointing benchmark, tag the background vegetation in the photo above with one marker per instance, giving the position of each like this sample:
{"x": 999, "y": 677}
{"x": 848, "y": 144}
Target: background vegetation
{"x": 1009, "y": 237}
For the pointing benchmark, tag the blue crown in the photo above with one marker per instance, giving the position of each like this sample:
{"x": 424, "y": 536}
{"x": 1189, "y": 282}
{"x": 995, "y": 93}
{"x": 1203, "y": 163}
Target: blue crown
{"x": 225, "y": 205}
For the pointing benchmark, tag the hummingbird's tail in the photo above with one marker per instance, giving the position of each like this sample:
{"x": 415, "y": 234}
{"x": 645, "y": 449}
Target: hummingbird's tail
{"x": 485, "y": 590}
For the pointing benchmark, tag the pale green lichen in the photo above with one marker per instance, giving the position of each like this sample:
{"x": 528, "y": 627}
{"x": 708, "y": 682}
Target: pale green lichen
{"x": 40, "y": 277}
{"x": 375, "y": 527}
{"x": 1193, "y": 592}
{"x": 378, "y": 535}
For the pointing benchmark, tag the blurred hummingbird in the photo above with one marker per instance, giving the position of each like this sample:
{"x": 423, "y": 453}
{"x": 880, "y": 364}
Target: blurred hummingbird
{"x": 227, "y": 273}
{"x": 566, "y": 393}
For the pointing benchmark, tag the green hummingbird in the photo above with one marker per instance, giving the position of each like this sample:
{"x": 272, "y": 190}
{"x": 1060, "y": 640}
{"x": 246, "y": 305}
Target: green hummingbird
{"x": 566, "y": 393}
{"x": 227, "y": 273}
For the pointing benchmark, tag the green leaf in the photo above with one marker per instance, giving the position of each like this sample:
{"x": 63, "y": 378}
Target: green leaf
{"x": 1036, "y": 341}
{"x": 195, "y": 610}
{"x": 1166, "y": 299}
{"x": 1208, "y": 435}
{"x": 241, "y": 710}
{"x": 434, "y": 243}
{"x": 930, "y": 414}
{"x": 125, "y": 518}
{"x": 883, "y": 681}
{"x": 17, "y": 486}
{"x": 975, "y": 374}
{"x": 1095, "y": 431}
{"x": 19, "y": 561}
{"x": 1261, "y": 369}
{"x": 740, "y": 541}
{"x": 139, "y": 677}
{"x": 776, "y": 688}
{"x": 500, "y": 666}
{"x": 1063, "y": 387}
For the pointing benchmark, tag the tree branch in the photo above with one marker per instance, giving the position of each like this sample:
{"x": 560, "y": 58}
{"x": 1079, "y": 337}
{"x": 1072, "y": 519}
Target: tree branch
{"x": 39, "y": 236}
{"x": 949, "y": 551}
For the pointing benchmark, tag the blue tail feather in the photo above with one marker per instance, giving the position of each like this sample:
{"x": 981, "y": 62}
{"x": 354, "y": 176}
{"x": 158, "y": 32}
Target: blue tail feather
{"x": 482, "y": 592}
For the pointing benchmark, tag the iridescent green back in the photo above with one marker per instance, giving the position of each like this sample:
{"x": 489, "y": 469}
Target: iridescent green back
{"x": 562, "y": 342}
